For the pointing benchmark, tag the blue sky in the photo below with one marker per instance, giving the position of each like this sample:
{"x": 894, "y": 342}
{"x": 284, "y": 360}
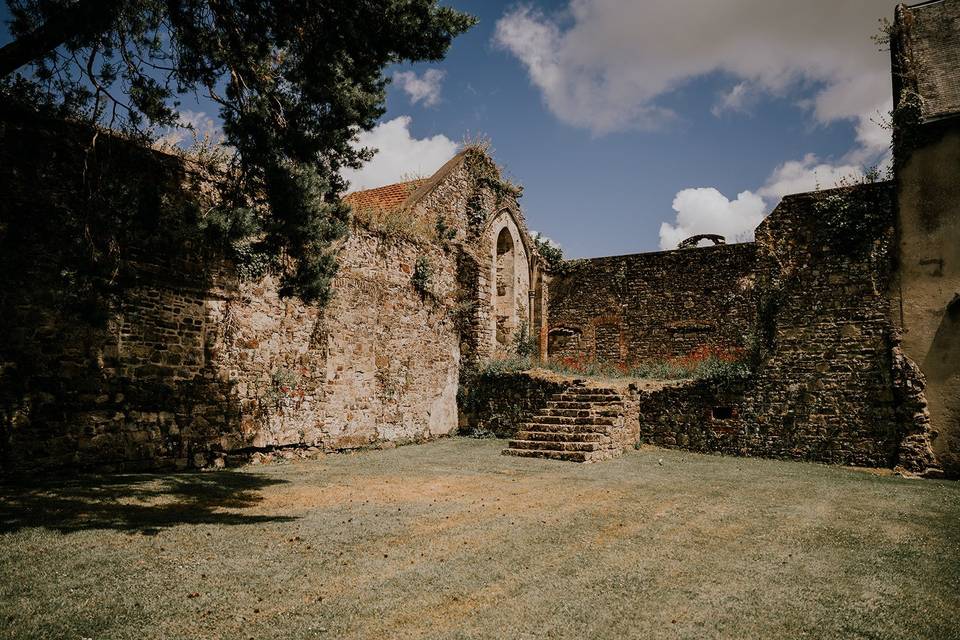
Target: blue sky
{"x": 602, "y": 180}
{"x": 633, "y": 124}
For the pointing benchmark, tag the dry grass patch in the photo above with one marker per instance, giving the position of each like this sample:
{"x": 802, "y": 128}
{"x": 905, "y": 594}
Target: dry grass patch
{"x": 453, "y": 540}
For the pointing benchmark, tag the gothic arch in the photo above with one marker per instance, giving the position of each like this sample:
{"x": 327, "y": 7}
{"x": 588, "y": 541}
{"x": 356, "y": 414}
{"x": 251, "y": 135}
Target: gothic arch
{"x": 510, "y": 280}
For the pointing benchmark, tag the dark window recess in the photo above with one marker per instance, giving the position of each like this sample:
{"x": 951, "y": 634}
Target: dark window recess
{"x": 723, "y": 413}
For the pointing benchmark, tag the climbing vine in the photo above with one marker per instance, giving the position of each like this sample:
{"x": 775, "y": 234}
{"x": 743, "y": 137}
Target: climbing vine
{"x": 854, "y": 213}
{"x": 487, "y": 179}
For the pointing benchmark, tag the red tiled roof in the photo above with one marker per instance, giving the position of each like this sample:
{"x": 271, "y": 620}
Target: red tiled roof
{"x": 389, "y": 197}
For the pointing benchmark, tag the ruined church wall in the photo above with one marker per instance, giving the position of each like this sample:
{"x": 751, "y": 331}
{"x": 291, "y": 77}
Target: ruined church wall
{"x": 472, "y": 199}
{"x": 379, "y": 364}
{"x": 190, "y": 366}
{"x": 652, "y": 306}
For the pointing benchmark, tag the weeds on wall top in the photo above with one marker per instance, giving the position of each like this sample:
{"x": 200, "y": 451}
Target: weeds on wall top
{"x": 551, "y": 253}
{"x": 703, "y": 363}
{"x": 856, "y": 212}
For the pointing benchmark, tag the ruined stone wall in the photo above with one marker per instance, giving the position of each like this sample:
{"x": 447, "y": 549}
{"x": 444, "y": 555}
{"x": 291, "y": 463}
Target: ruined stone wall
{"x": 182, "y": 364}
{"x": 379, "y": 364}
{"x": 822, "y": 386}
{"x": 829, "y": 382}
{"x": 469, "y": 194}
{"x": 825, "y": 385}
{"x": 702, "y": 415}
{"x": 652, "y": 306}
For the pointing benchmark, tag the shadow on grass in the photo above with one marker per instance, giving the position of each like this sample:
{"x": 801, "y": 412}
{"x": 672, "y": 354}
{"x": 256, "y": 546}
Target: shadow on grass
{"x": 134, "y": 502}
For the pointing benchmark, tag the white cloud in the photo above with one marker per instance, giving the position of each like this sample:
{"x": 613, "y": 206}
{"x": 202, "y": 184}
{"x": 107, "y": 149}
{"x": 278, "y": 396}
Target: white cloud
{"x": 706, "y": 210}
{"x": 424, "y": 88}
{"x": 738, "y": 98}
{"x": 400, "y": 156}
{"x": 602, "y": 64}
{"x": 545, "y": 239}
{"x": 807, "y": 174}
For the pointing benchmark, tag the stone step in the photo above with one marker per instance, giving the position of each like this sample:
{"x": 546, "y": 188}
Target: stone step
{"x": 568, "y": 404}
{"x": 601, "y": 429}
{"x": 581, "y": 413}
{"x": 564, "y": 436}
{"x": 554, "y": 445}
{"x": 609, "y": 413}
{"x": 561, "y": 419}
{"x": 568, "y": 456}
{"x": 604, "y": 391}
{"x": 570, "y": 413}
{"x": 584, "y": 397}
{"x": 583, "y": 391}
{"x": 590, "y": 407}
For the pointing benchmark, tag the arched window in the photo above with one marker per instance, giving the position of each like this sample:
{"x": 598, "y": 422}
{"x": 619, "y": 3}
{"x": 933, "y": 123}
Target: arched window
{"x": 505, "y": 304}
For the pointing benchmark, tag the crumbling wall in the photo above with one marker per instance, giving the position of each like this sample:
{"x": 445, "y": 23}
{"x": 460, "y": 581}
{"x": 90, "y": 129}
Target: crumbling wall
{"x": 824, "y": 382}
{"x": 700, "y": 415}
{"x": 829, "y": 382}
{"x": 471, "y": 196}
{"x": 652, "y": 306}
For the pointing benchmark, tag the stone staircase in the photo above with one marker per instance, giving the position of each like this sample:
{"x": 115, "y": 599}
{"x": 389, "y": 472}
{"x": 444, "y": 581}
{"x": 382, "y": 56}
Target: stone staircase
{"x": 580, "y": 424}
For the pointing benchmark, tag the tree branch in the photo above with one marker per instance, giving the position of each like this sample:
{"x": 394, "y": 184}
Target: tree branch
{"x": 85, "y": 18}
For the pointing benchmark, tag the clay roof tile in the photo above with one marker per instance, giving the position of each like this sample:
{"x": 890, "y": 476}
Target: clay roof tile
{"x": 391, "y": 196}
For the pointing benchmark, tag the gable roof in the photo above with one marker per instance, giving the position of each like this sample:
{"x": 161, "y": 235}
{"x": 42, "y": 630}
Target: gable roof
{"x": 402, "y": 194}
{"x": 389, "y": 197}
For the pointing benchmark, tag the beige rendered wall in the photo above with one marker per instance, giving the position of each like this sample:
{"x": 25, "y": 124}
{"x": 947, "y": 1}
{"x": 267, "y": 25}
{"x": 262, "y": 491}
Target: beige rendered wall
{"x": 929, "y": 281}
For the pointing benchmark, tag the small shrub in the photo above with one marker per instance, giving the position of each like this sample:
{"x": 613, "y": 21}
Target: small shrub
{"x": 284, "y": 383}
{"x": 422, "y": 276}
{"x": 462, "y": 314}
{"x": 513, "y": 364}
{"x": 550, "y": 252}
{"x": 524, "y": 345}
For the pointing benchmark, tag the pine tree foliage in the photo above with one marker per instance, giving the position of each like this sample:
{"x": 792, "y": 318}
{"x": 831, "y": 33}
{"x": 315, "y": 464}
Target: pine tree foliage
{"x": 295, "y": 81}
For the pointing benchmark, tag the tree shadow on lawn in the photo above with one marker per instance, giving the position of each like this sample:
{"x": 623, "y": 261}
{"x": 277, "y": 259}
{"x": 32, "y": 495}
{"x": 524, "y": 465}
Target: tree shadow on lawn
{"x": 134, "y": 502}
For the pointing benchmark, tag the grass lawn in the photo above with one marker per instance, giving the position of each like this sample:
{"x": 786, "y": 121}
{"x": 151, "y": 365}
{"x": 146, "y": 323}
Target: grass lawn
{"x": 453, "y": 540}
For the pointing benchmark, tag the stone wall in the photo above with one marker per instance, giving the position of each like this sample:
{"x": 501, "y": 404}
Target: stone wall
{"x": 823, "y": 386}
{"x": 823, "y": 277}
{"x": 469, "y": 193}
{"x": 810, "y": 298}
{"x": 499, "y": 403}
{"x": 705, "y": 416}
{"x": 177, "y": 362}
{"x": 652, "y": 306}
